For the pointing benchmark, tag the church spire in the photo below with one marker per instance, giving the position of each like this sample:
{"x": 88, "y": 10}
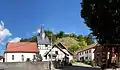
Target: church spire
{"x": 42, "y": 29}
{"x": 42, "y": 32}
{"x": 41, "y": 37}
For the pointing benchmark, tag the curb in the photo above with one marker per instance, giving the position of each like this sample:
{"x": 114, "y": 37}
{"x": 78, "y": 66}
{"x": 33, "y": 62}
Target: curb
{"x": 113, "y": 69}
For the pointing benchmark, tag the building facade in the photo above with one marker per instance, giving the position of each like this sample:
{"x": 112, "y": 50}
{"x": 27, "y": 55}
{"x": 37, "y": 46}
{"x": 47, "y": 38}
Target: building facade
{"x": 20, "y": 52}
{"x": 87, "y": 54}
{"x": 23, "y": 51}
{"x": 44, "y": 44}
{"x": 59, "y": 53}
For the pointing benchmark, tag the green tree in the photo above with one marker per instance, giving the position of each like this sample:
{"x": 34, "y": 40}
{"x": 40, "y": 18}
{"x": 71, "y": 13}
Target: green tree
{"x": 80, "y": 38}
{"x": 102, "y": 17}
{"x": 73, "y": 48}
{"x": 50, "y": 35}
{"x": 73, "y": 35}
{"x": 60, "y": 34}
{"x": 69, "y": 42}
{"x": 89, "y": 39}
{"x": 83, "y": 44}
{"x": 39, "y": 57}
{"x": 66, "y": 35}
{"x": 31, "y": 39}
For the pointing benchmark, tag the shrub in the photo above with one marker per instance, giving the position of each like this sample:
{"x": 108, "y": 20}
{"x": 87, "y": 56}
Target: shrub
{"x": 73, "y": 61}
{"x": 39, "y": 57}
{"x": 88, "y": 62}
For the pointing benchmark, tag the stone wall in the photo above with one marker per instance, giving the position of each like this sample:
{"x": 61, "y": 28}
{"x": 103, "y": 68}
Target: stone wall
{"x": 25, "y": 66}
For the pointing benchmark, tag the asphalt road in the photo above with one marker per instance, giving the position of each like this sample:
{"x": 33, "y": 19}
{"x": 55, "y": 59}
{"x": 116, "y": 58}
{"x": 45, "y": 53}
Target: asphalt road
{"x": 79, "y": 68}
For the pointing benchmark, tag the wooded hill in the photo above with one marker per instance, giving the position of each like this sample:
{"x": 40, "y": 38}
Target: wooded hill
{"x": 72, "y": 41}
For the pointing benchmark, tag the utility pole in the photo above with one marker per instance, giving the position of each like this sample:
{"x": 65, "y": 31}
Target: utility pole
{"x": 51, "y": 54}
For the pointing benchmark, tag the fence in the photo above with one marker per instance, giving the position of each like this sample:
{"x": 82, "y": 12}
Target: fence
{"x": 25, "y": 66}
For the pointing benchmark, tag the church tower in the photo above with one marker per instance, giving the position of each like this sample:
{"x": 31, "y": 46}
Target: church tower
{"x": 43, "y": 43}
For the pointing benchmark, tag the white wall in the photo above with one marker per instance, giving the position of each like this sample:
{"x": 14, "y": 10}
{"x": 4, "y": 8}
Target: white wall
{"x": 60, "y": 55}
{"x": 89, "y": 55}
{"x": 93, "y": 56}
{"x": 1, "y": 60}
{"x": 42, "y": 47}
{"x": 43, "y": 50}
{"x": 70, "y": 56}
{"x": 18, "y": 57}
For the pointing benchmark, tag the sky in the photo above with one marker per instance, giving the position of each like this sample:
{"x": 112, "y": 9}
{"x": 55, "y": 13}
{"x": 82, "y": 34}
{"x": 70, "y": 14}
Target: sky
{"x": 22, "y": 18}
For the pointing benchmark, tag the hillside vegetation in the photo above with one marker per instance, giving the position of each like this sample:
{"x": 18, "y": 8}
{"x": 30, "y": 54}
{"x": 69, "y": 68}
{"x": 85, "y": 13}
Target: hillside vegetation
{"x": 72, "y": 41}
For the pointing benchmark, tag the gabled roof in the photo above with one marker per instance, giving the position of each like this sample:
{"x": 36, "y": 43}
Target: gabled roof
{"x": 88, "y": 47}
{"x": 64, "y": 47}
{"x": 42, "y": 41}
{"x": 58, "y": 48}
{"x": 21, "y": 47}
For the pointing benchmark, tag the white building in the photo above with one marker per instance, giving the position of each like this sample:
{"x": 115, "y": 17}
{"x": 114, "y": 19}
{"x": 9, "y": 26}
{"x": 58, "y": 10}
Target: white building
{"x": 44, "y": 44}
{"x": 20, "y": 52}
{"x": 59, "y": 52}
{"x": 87, "y": 53}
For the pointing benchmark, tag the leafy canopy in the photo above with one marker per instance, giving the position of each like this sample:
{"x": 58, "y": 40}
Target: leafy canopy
{"x": 103, "y": 19}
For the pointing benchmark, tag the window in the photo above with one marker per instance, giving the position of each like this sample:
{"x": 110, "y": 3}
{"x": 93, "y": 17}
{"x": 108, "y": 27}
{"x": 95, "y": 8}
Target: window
{"x": 46, "y": 45}
{"x": 33, "y": 56}
{"x": 22, "y": 57}
{"x": 89, "y": 51}
{"x": 90, "y": 57}
{"x": 45, "y": 57}
{"x": 56, "y": 52}
{"x": 80, "y": 58}
{"x": 12, "y": 57}
{"x": 86, "y": 57}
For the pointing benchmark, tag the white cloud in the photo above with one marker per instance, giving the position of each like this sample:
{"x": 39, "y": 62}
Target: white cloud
{"x": 17, "y": 39}
{"x": 4, "y": 32}
{"x": 38, "y": 31}
{"x": 69, "y": 32}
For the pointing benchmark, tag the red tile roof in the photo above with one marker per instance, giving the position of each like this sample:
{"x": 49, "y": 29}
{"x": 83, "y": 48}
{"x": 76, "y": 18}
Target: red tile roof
{"x": 22, "y": 47}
